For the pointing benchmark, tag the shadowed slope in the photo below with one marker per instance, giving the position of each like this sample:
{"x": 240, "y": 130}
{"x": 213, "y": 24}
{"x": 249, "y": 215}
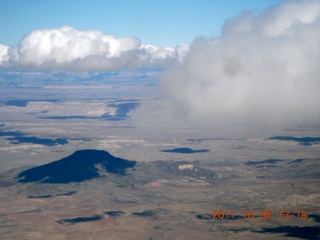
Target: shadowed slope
{"x": 78, "y": 167}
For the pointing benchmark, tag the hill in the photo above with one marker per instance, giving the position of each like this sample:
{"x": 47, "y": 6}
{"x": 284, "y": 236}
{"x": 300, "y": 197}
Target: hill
{"x": 79, "y": 166}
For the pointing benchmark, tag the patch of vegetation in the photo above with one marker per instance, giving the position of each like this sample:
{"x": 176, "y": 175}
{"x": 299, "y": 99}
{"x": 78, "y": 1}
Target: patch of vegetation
{"x": 305, "y": 141}
{"x": 269, "y": 161}
{"x": 185, "y": 150}
{"x": 147, "y": 213}
{"x": 204, "y": 216}
{"x": 296, "y": 161}
{"x": 114, "y": 213}
{"x": 35, "y": 140}
{"x": 80, "y": 219}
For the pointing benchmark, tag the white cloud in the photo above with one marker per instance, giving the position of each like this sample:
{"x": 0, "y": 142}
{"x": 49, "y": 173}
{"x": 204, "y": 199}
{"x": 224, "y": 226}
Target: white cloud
{"x": 261, "y": 73}
{"x": 4, "y": 53}
{"x": 66, "y": 48}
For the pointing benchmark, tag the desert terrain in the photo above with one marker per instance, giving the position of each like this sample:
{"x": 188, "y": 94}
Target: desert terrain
{"x": 186, "y": 184}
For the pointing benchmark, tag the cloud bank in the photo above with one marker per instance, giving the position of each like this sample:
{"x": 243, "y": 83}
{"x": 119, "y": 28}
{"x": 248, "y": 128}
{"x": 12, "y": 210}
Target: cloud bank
{"x": 263, "y": 72}
{"x": 66, "y": 48}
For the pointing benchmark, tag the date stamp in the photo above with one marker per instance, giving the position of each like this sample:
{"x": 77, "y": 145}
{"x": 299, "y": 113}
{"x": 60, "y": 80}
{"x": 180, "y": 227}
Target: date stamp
{"x": 262, "y": 214}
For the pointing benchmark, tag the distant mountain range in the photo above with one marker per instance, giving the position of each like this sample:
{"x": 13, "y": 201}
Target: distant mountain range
{"x": 79, "y": 166}
{"x": 17, "y": 78}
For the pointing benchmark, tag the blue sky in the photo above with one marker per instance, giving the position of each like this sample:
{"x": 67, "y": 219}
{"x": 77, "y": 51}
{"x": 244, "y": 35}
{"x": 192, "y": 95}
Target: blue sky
{"x": 159, "y": 22}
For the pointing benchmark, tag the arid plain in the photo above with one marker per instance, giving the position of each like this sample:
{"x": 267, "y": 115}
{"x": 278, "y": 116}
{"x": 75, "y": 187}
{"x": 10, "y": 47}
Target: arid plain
{"x": 263, "y": 187}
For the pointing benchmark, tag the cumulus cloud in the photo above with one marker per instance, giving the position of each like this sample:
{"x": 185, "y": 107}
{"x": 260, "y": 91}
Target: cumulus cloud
{"x": 66, "y": 48}
{"x": 4, "y": 54}
{"x": 261, "y": 73}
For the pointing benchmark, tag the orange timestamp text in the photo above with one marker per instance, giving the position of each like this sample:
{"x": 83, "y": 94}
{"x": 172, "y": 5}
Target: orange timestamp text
{"x": 262, "y": 214}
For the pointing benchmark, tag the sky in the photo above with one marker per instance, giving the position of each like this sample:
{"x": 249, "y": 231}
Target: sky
{"x": 225, "y": 67}
{"x": 157, "y": 22}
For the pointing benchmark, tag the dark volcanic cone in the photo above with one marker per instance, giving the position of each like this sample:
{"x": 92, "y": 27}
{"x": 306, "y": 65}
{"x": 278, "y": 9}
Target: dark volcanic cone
{"x": 79, "y": 166}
